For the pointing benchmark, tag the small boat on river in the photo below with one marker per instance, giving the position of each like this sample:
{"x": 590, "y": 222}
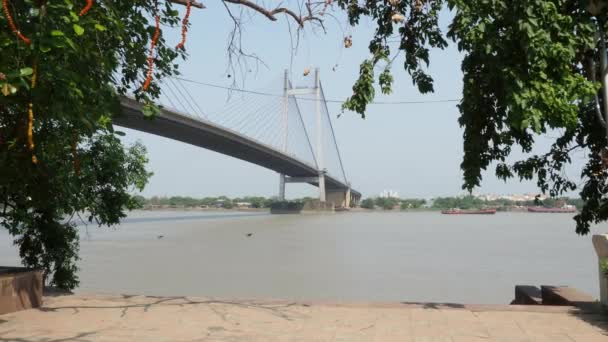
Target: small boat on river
{"x": 469, "y": 211}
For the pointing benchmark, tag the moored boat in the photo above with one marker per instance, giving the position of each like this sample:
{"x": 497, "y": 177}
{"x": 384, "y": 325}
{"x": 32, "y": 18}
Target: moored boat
{"x": 565, "y": 209}
{"x": 469, "y": 211}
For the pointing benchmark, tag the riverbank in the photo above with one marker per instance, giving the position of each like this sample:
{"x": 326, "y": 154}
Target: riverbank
{"x": 140, "y": 318}
{"x": 209, "y": 210}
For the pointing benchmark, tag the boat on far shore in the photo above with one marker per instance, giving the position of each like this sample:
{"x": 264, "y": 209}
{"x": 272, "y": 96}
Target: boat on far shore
{"x": 469, "y": 211}
{"x": 564, "y": 209}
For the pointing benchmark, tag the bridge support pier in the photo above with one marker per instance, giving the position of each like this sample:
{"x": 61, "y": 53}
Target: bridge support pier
{"x": 322, "y": 195}
{"x": 281, "y": 187}
{"x": 341, "y": 198}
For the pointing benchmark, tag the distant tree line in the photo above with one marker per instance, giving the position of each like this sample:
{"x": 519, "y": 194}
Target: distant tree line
{"x": 470, "y": 202}
{"x": 219, "y": 201}
{"x": 389, "y": 203}
{"x": 463, "y": 202}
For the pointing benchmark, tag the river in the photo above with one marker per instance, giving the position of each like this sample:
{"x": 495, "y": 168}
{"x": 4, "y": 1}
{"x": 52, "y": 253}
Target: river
{"x": 361, "y": 256}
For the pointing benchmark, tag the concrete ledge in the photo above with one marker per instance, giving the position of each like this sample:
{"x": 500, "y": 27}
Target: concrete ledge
{"x": 567, "y": 296}
{"x": 527, "y": 295}
{"x": 20, "y": 289}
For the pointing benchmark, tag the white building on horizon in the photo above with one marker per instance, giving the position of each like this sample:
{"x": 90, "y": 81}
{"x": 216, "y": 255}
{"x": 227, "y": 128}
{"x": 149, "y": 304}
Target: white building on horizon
{"x": 389, "y": 194}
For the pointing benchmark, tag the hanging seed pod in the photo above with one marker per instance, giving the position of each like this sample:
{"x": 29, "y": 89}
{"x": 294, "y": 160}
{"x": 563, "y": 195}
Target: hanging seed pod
{"x": 30, "y": 132}
{"x": 604, "y": 156}
{"x": 185, "y": 26}
{"x": 398, "y": 18}
{"x": 151, "y": 55}
{"x": 348, "y": 41}
{"x": 419, "y": 5}
{"x": 12, "y": 25}
{"x": 394, "y": 2}
{"x": 30, "y": 118}
{"x": 86, "y": 8}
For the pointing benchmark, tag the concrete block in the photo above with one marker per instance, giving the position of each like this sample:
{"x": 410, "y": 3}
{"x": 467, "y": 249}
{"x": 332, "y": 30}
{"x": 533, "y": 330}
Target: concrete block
{"x": 527, "y": 295}
{"x": 568, "y": 296}
{"x": 20, "y": 289}
{"x": 600, "y": 243}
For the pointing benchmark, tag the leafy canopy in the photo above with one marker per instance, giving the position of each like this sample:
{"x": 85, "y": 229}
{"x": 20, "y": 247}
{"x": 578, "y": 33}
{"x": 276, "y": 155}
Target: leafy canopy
{"x": 67, "y": 82}
{"x": 529, "y": 67}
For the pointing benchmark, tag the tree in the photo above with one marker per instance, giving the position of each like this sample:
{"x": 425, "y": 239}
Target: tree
{"x": 530, "y": 67}
{"x": 63, "y": 67}
{"x": 412, "y": 203}
{"x": 368, "y": 203}
{"x": 387, "y": 203}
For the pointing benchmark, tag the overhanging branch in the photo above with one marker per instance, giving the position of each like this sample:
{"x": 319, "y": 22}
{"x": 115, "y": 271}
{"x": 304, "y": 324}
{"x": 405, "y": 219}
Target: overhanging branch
{"x": 271, "y": 14}
{"x": 185, "y": 3}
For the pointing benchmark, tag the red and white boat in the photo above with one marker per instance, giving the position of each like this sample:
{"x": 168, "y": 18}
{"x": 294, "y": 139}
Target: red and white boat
{"x": 469, "y": 211}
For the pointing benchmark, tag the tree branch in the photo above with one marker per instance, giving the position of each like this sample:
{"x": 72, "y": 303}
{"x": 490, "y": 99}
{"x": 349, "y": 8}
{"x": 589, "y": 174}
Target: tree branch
{"x": 270, "y": 14}
{"x": 185, "y": 3}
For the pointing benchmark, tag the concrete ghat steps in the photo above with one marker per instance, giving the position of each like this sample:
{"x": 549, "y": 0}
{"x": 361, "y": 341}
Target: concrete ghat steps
{"x": 555, "y": 296}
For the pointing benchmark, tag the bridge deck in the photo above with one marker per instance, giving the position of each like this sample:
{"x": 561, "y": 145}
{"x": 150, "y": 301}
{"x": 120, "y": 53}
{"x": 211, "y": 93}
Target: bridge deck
{"x": 206, "y": 134}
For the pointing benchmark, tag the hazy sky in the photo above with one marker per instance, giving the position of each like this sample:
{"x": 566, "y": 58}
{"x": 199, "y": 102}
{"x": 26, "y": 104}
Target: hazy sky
{"x": 414, "y": 149}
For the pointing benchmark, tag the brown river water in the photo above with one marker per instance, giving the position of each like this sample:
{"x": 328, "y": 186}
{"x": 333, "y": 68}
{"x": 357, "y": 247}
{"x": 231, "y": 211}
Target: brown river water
{"x": 373, "y": 256}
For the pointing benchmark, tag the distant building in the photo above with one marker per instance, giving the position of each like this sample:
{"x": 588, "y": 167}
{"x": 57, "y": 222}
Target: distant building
{"x": 389, "y": 194}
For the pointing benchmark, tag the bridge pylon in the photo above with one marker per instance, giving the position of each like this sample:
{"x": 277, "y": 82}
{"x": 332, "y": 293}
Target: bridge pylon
{"x": 288, "y": 91}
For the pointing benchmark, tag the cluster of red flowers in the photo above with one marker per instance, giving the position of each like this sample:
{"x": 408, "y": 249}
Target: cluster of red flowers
{"x": 151, "y": 55}
{"x": 185, "y": 26}
{"x": 86, "y": 8}
{"x": 11, "y": 23}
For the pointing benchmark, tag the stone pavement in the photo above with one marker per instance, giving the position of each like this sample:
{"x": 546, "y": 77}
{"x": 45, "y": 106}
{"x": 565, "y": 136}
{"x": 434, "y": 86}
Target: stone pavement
{"x": 139, "y": 318}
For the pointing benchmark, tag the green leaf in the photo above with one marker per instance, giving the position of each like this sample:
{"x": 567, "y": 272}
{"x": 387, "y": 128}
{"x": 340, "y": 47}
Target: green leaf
{"x": 57, "y": 33}
{"x": 79, "y": 30}
{"x": 26, "y": 72}
{"x": 150, "y": 110}
{"x": 75, "y": 17}
{"x": 100, "y": 27}
{"x": 71, "y": 44}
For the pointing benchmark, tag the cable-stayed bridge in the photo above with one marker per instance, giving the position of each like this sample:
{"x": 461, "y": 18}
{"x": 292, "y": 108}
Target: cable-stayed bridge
{"x": 289, "y": 132}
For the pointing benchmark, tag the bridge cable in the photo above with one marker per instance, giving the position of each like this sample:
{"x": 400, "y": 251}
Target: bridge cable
{"x": 309, "y": 99}
{"x": 333, "y": 133}
{"x": 201, "y": 112}
{"x": 239, "y": 110}
{"x": 168, "y": 98}
{"x": 184, "y": 98}
{"x": 260, "y": 122}
{"x": 305, "y": 130}
{"x": 263, "y": 113}
{"x": 267, "y": 126}
{"x": 170, "y": 88}
{"x": 301, "y": 142}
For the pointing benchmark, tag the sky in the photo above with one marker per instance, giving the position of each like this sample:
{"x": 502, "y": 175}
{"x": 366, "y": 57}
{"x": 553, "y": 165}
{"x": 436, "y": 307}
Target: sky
{"x": 414, "y": 149}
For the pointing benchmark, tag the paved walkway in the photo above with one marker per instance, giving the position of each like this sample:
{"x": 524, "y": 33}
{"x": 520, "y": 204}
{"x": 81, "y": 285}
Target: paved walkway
{"x": 138, "y": 318}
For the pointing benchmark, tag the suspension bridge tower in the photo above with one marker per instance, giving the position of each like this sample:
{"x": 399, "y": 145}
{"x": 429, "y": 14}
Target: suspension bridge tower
{"x": 342, "y": 197}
